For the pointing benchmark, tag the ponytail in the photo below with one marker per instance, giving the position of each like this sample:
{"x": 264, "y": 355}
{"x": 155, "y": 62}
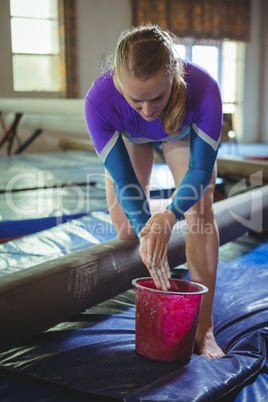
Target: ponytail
{"x": 172, "y": 115}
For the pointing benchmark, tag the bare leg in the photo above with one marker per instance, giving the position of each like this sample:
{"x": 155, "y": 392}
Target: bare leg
{"x": 202, "y": 244}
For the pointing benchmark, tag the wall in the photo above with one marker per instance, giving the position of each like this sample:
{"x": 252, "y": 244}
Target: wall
{"x": 263, "y": 129}
{"x": 253, "y": 127}
{"x": 5, "y": 51}
{"x": 99, "y": 24}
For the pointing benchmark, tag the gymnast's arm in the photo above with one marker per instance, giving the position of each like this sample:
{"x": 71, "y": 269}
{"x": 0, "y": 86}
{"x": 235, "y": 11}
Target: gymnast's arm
{"x": 135, "y": 205}
{"x": 113, "y": 154}
{"x": 128, "y": 190}
{"x": 195, "y": 182}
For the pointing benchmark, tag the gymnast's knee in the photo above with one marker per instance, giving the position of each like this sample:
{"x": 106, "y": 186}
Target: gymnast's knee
{"x": 202, "y": 210}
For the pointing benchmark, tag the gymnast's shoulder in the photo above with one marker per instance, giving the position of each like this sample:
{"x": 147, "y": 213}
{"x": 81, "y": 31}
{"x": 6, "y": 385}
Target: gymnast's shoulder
{"x": 103, "y": 90}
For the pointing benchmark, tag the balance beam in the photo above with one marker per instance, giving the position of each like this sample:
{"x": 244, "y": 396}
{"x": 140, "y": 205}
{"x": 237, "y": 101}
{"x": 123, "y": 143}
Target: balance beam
{"x": 243, "y": 167}
{"x": 56, "y": 115}
{"x": 42, "y": 296}
{"x": 74, "y": 124}
{"x": 42, "y": 106}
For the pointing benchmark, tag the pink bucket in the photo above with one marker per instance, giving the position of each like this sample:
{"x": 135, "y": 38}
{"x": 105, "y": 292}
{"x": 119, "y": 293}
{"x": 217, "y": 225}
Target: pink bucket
{"x": 166, "y": 321}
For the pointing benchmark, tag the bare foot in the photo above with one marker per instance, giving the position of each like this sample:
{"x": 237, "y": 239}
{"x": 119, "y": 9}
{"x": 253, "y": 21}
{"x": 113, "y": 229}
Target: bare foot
{"x": 207, "y": 345}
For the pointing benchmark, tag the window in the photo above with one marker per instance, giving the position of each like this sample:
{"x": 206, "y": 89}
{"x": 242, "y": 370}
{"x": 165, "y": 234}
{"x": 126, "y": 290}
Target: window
{"x": 224, "y": 60}
{"x": 35, "y": 45}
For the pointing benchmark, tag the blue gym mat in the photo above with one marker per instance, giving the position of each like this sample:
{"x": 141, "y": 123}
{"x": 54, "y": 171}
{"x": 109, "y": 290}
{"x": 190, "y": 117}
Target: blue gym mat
{"x": 39, "y": 191}
{"x": 94, "y": 353}
{"x": 92, "y": 356}
{"x": 59, "y": 240}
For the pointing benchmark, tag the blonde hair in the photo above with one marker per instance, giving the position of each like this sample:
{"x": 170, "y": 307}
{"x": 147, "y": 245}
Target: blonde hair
{"x": 143, "y": 52}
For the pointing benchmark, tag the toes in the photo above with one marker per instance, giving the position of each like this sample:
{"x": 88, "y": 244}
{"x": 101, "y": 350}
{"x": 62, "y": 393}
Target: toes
{"x": 214, "y": 355}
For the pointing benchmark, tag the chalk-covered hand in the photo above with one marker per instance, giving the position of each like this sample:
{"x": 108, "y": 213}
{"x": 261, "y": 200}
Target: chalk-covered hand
{"x": 159, "y": 273}
{"x": 154, "y": 239}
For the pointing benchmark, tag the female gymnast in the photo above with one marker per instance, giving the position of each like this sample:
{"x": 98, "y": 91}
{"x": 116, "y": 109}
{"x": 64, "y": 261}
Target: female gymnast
{"x": 150, "y": 95}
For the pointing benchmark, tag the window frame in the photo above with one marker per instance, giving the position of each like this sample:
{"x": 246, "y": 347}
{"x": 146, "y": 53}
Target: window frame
{"x": 59, "y": 91}
{"x": 235, "y": 118}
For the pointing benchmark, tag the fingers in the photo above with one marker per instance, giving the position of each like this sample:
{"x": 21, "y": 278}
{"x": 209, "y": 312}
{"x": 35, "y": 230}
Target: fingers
{"x": 160, "y": 274}
{"x": 153, "y": 251}
{"x": 157, "y": 243}
{"x": 165, "y": 273}
{"x": 167, "y": 269}
{"x": 156, "y": 278}
{"x": 160, "y": 251}
{"x": 157, "y": 250}
{"x": 154, "y": 247}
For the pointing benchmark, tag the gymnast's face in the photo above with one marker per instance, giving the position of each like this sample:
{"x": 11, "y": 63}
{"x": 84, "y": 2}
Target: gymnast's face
{"x": 148, "y": 97}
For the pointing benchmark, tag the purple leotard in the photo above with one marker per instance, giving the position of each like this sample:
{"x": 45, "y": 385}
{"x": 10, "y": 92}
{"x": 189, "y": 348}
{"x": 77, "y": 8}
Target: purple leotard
{"x": 109, "y": 117}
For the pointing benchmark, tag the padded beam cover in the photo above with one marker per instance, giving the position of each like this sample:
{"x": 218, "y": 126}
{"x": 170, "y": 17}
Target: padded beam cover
{"x": 46, "y": 106}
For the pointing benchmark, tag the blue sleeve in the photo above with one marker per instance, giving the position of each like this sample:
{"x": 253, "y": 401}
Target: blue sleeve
{"x": 128, "y": 190}
{"x": 198, "y": 176}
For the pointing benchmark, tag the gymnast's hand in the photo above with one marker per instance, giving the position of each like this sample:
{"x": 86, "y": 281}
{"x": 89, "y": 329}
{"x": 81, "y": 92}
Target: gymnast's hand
{"x": 154, "y": 239}
{"x": 161, "y": 273}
